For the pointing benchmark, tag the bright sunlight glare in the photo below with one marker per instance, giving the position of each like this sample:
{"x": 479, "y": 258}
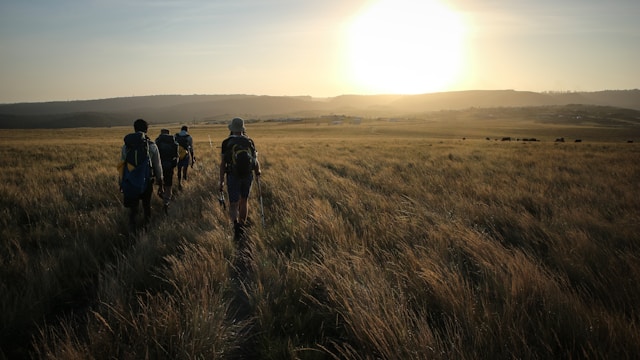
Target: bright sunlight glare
{"x": 406, "y": 47}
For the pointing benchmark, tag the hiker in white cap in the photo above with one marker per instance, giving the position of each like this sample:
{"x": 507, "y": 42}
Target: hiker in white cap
{"x": 238, "y": 166}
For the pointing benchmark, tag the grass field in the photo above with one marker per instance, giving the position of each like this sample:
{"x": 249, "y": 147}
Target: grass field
{"x": 383, "y": 240}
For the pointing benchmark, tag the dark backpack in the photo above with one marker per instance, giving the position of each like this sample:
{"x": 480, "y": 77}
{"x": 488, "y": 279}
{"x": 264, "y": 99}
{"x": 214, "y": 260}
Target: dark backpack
{"x": 136, "y": 174}
{"x": 183, "y": 142}
{"x": 241, "y": 156}
{"x": 168, "y": 149}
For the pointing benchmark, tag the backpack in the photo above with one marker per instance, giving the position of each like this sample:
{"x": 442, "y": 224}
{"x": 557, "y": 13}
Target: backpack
{"x": 241, "y": 156}
{"x": 136, "y": 172}
{"x": 183, "y": 148}
{"x": 167, "y": 148}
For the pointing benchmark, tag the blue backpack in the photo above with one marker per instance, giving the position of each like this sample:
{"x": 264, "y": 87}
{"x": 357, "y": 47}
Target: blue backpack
{"x": 136, "y": 174}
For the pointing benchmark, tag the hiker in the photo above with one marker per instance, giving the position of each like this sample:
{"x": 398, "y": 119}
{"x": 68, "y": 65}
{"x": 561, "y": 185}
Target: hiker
{"x": 186, "y": 156}
{"x": 239, "y": 162}
{"x": 168, "y": 150}
{"x": 140, "y": 164}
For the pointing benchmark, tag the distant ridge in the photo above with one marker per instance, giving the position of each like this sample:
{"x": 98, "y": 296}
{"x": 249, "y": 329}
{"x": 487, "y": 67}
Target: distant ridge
{"x": 208, "y": 108}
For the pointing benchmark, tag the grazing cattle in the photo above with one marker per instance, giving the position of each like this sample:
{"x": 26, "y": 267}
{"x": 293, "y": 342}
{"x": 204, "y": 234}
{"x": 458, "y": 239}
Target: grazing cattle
{"x": 578, "y": 140}
{"x": 629, "y": 141}
{"x": 488, "y": 138}
{"x": 506, "y": 138}
{"x": 560, "y": 139}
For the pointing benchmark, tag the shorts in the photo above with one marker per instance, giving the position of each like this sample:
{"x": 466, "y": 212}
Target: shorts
{"x": 185, "y": 162}
{"x": 238, "y": 187}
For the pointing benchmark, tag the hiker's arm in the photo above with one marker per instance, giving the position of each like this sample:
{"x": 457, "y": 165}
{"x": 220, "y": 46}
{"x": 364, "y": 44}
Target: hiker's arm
{"x": 193, "y": 155}
{"x": 222, "y": 171}
{"x": 155, "y": 162}
{"x": 256, "y": 167}
{"x": 176, "y": 155}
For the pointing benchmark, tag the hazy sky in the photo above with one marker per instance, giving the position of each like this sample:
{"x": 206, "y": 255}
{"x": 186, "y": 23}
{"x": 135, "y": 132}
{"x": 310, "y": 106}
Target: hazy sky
{"x": 93, "y": 49}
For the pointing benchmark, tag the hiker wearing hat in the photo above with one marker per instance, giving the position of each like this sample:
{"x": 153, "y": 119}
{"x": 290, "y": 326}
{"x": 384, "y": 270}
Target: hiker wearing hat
{"x": 139, "y": 165}
{"x": 168, "y": 149}
{"x": 239, "y": 163}
{"x": 186, "y": 155}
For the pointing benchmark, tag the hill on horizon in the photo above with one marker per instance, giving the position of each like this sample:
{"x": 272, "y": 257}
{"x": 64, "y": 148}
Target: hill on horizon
{"x": 214, "y": 108}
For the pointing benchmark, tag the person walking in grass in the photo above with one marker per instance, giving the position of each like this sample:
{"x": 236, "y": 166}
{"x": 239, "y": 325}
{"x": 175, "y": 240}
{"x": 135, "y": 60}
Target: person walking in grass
{"x": 168, "y": 149}
{"x": 186, "y": 154}
{"x": 139, "y": 166}
{"x": 238, "y": 166}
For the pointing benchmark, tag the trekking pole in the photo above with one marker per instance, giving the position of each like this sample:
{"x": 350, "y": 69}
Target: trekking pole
{"x": 221, "y": 200}
{"x": 260, "y": 195}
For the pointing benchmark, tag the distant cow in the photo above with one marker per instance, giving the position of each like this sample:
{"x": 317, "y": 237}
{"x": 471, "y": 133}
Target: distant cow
{"x": 506, "y": 138}
{"x": 560, "y": 139}
{"x": 629, "y": 141}
{"x": 578, "y": 140}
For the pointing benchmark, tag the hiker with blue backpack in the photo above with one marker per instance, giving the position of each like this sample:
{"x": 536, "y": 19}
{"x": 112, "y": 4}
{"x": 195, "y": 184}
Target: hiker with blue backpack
{"x": 186, "y": 155}
{"x": 168, "y": 149}
{"x": 139, "y": 166}
{"x": 238, "y": 166}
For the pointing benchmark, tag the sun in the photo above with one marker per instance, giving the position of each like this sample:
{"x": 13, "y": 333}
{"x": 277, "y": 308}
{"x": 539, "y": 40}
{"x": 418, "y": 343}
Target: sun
{"x": 405, "y": 47}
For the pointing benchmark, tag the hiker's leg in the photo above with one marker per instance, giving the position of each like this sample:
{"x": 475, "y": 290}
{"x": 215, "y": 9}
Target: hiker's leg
{"x": 233, "y": 211}
{"x": 132, "y": 205}
{"x": 180, "y": 167}
{"x": 166, "y": 195}
{"x": 179, "y": 173}
{"x": 187, "y": 163}
{"x": 167, "y": 173}
{"x": 133, "y": 211}
{"x": 243, "y": 202}
{"x": 233, "y": 190}
{"x": 242, "y": 210}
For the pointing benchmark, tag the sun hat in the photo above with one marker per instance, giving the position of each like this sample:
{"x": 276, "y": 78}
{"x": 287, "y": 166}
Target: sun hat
{"x": 236, "y": 125}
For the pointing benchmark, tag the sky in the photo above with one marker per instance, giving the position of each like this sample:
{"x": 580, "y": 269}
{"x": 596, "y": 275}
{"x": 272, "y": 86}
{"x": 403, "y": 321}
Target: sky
{"x": 94, "y": 49}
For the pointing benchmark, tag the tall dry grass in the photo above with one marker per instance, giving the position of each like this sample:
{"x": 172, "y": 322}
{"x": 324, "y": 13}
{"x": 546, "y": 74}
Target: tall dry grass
{"x": 380, "y": 242}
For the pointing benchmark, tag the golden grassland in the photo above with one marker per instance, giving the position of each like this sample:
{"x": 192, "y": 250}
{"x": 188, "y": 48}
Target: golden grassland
{"x": 383, "y": 240}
